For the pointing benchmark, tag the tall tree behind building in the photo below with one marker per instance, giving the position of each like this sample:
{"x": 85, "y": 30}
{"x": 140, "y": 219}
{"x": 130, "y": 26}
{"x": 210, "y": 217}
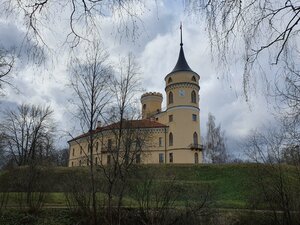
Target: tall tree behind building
{"x": 215, "y": 142}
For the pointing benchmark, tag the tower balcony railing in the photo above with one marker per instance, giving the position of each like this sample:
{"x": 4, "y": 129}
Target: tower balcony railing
{"x": 196, "y": 147}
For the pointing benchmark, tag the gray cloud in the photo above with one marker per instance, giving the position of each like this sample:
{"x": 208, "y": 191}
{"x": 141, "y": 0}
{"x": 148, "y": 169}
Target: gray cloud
{"x": 15, "y": 41}
{"x": 157, "y": 50}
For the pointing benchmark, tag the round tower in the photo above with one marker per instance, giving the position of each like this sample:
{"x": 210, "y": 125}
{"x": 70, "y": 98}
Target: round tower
{"x": 151, "y": 104}
{"x": 182, "y": 91}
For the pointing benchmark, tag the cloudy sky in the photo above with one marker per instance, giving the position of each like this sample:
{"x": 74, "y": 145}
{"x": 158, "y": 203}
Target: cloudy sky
{"x": 156, "y": 46}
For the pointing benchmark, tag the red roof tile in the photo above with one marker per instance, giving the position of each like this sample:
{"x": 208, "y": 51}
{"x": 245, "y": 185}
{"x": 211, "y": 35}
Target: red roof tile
{"x": 146, "y": 123}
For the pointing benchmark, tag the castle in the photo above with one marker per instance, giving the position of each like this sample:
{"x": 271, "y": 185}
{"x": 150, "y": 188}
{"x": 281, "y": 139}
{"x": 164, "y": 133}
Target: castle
{"x": 175, "y": 132}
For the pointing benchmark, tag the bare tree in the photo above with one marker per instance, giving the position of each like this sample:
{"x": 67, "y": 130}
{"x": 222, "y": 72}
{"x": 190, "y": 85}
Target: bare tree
{"x": 275, "y": 183}
{"x": 83, "y": 16}
{"x": 259, "y": 29}
{"x": 60, "y": 157}
{"x": 6, "y": 65}
{"x": 157, "y": 200}
{"x": 28, "y": 139}
{"x": 28, "y": 134}
{"x": 215, "y": 142}
{"x": 90, "y": 83}
{"x": 127, "y": 134}
{"x": 288, "y": 95}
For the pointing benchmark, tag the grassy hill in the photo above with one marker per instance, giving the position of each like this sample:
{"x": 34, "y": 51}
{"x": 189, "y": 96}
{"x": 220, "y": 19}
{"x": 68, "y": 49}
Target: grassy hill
{"x": 230, "y": 183}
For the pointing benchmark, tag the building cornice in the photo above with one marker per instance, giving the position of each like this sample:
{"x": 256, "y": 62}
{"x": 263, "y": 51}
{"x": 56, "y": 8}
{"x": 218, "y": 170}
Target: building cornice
{"x": 183, "y": 106}
{"x": 181, "y": 84}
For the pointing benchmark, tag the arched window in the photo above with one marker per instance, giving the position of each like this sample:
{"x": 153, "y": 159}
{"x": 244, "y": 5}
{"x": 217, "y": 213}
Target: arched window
{"x": 170, "y": 97}
{"x": 170, "y": 139}
{"x": 195, "y": 138}
{"x": 194, "y": 78}
{"x": 196, "y": 156}
{"x": 193, "y": 97}
{"x": 170, "y": 80}
{"x": 144, "y": 106}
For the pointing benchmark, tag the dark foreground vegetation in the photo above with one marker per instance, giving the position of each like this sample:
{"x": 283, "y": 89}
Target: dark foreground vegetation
{"x": 178, "y": 194}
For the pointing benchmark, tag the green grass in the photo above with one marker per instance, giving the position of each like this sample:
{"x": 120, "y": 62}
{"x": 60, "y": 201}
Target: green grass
{"x": 229, "y": 182}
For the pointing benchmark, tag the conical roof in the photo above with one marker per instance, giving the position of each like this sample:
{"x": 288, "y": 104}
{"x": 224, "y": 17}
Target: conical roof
{"x": 181, "y": 64}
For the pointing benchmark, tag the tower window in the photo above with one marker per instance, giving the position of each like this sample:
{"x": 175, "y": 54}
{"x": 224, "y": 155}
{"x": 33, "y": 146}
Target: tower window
{"x": 160, "y": 142}
{"x": 193, "y": 78}
{"x": 194, "y": 117}
{"x": 73, "y": 152}
{"x": 170, "y": 139}
{"x": 170, "y": 97}
{"x": 170, "y": 118}
{"x": 195, "y": 138}
{"x": 97, "y": 146}
{"x": 171, "y": 157}
{"x": 170, "y": 80}
{"x": 144, "y": 106}
{"x": 193, "y": 97}
{"x": 161, "y": 157}
{"x": 72, "y": 164}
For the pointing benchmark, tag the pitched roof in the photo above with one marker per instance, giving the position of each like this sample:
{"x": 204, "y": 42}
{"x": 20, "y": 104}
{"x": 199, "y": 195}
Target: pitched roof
{"x": 128, "y": 124}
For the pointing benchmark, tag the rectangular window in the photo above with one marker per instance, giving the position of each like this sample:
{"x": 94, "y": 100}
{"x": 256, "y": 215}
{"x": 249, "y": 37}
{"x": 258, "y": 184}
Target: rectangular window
{"x": 108, "y": 159}
{"x": 160, "y": 142}
{"x": 194, "y": 116}
{"x": 170, "y": 118}
{"x": 73, "y": 152}
{"x": 97, "y": 146}
{"x": 72, "y": 164}
{"x": 138, "y": 159}
{"x": 161, "y": 157}
{"x": 109, "y": 144}
{"x": 171, "y": 157}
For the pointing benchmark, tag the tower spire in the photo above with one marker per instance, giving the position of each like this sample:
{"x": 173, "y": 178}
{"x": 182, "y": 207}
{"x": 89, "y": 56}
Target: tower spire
{"x": 181, "y": 64}
{"x": 181, "y": 34}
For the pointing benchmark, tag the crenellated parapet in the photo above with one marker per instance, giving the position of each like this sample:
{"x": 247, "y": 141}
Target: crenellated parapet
{"x": 151, "y": 104}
